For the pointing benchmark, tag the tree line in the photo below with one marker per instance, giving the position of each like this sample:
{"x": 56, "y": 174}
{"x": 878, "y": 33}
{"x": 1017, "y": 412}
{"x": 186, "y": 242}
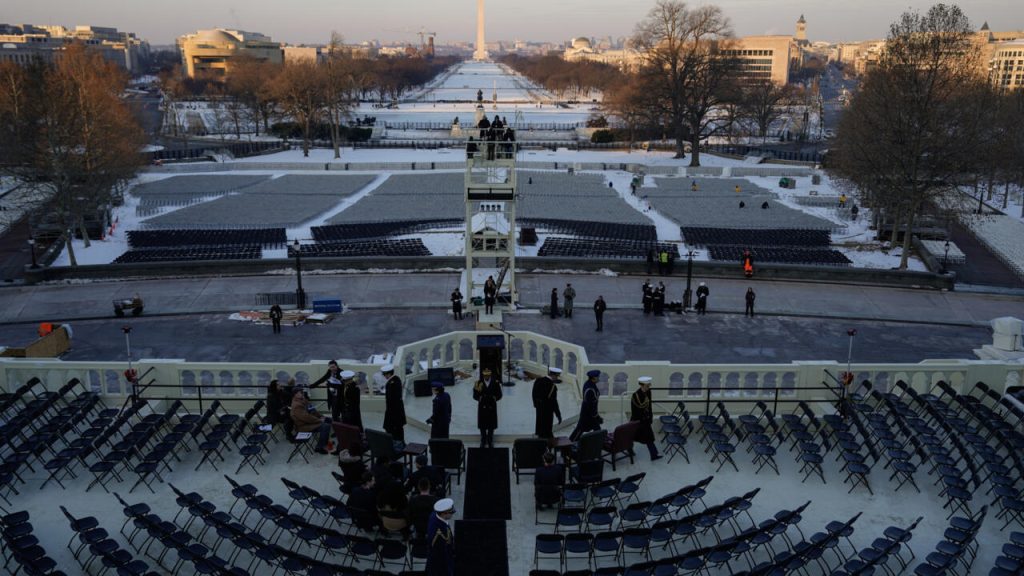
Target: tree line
{"x": 316, "y": 98}
{"x": 66, "y": 131}
{"x": 926, "y": 123}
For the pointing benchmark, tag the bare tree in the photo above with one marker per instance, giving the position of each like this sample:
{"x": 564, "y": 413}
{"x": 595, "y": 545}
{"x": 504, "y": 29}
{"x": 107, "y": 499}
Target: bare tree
{"x": 910, "y": 133}
{"x": 763, "y": 103}
{"x": 686, "y": 68}
{"x": 299, "y": 92}
{"x": 339, "y": 88}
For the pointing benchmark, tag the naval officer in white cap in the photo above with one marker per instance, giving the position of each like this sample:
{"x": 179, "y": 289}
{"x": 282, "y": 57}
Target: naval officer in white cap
{"x": 394, "y": 404}
{"x": 441, "y": 539}
{"x": 642, "y": 412}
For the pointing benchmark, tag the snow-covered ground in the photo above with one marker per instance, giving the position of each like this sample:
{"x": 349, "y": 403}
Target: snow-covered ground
{"x": 856, "y": 243}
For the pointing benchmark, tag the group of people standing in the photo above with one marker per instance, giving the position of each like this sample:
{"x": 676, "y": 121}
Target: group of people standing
{"x": 654, "y": 298}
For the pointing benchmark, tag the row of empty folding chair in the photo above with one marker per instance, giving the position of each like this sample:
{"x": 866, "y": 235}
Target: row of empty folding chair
{"x": 336, "y": 233}
{"x": 265, "y": 237}
{"x": 190, "y": 253}
{"x": 752, "y": 237}
{"x": 371, "y": 247}
{"x": 598, "y": 230}
{"x": 21, "y": 550}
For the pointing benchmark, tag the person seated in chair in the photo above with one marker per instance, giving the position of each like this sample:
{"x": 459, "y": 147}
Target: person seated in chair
{"x": 307, "y": 419}
{"x": 432, "y": 474}
{"x": 362, "y": 504}
{"x": 548, "y": 481}
{"x": 421, "y": 505}
{"x": 393, "y": 508}
{"x": 352, "y": 468}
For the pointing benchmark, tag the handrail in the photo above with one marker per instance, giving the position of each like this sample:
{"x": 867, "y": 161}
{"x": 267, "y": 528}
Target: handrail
{"x": 774, "y": 390}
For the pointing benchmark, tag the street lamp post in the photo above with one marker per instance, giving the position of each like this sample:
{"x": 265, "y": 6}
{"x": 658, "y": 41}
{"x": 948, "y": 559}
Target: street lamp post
{"x": 688, "y": 294}
{"x": 300, "y": 294}
{"x": 32, "y": 247}
{"x": 945, "y": 258}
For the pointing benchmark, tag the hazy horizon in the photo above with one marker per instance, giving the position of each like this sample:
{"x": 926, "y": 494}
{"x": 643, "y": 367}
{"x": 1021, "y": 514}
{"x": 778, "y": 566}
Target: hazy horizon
{"x": 309, "y": 21}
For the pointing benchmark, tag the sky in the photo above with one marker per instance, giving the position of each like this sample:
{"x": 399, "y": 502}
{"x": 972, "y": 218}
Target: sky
{"x": 312, "y": 21}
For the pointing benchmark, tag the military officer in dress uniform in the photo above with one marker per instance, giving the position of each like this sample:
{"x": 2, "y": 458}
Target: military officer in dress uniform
{"x": 350, "y": 393}
{"x": 441, "y": 411}
{"x": 545, "y": 402}
{"x": 487, "y": 392}
{"x": 589, "y": 418}
{"x": 441, "y": 539}
{"x": 642, "y": 411}
{"x": 394, "y": 404}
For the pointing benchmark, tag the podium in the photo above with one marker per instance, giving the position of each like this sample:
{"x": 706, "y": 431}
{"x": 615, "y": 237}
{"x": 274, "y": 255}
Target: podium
{"x": 491, "y": 348}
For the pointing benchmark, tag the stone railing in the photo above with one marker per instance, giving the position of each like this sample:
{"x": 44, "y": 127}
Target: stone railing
{"x": 237, "y": 385}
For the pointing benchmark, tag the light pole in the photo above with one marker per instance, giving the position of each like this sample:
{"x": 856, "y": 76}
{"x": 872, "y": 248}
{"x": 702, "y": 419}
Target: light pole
{"x": 300, "y": 294}
{"x": 32, "y": 247}
{"x": 688, "y": 294}
{"x": 945, "y": 258}
{"x": 849, "y": 353}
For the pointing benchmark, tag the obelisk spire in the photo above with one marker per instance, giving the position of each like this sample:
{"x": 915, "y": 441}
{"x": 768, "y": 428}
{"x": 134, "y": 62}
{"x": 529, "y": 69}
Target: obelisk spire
{"x": 481, "y": 43}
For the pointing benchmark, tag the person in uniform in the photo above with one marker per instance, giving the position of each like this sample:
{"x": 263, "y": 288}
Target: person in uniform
{"x": 441, "y": 411}
{"x": 332, "y": 379}
{"x": 568, "y": 296}
{"x": 394, "y": 404}
{"x": 750, "y": 297}
{"x": 350, "y": 413}
{"x": 441, "y": 540}
{"x": 545, "y": 403}
{"x": 457, "y": 304}
{"x": 487, "y": 392}
{"x": 589, "y": 418}
{"x": 648, "y": 298}
{"x": 642, "y": 411}
{"x": 554, "y": 303}
{"x": 659, "y": 301}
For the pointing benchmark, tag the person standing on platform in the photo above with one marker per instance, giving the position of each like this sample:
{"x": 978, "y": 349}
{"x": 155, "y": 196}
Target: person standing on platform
{"x": 554, "y": 303}
{"x": 642, "y": 411}
{"x": 441, "y": 412}
{"x": 659, "y": 301}
{"x": 545, "y": 403}
{"x": 394, "y": 404}
{"x": 457, "y": 304}
{"x": 589, "y": 418}
{"x": 490, "y": 295}
{"x": 332, "y": 378}
{"x": 750, "y": 297}
{"x": 487, "y": 392}
{"x": 350, "y": 412}
{"x": 599, "y": 308}
{"x": 441, "y": 540}
{"x": 275, "y": 317}
{"x": 568, "y": 296}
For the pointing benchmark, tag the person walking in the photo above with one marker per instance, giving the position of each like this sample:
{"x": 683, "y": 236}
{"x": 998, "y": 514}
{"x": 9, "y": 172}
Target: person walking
{"x": 441, "y": 411}
{"x": 275, "y": 318}
{"x": 554, "y": 302}
{"x": 332, "y": 379}
{"x": 702, "y": 299}
{"x": 750, "y": 297}
{"x": 568, "y": 296}
{"x": 350, "y": 412}
{"x": 642, "y": 411}
{"x": 394, "y": 404}
{"x": 487, "y": 393}
{"x": 599, "y": 308}
{"x": 589, "y": 418}
{"x": 457, "y": 304}
{"x": 490, "y": 295}
{"x": 545, "y": 403}
{"x": 441, "y": 540}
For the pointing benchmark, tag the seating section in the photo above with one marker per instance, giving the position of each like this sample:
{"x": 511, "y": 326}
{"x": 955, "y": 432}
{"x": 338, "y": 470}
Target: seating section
{"x": 599, "y": 230}
{"x": 377, "y": 247}
{"x": 240, "y": 252}
{"x": 265, "y": 237}
{"x": 781, "y": 254}
{"x": 358, "y": 230}
{"x": 704, "y": 237}
{"x": 593, "y": 248}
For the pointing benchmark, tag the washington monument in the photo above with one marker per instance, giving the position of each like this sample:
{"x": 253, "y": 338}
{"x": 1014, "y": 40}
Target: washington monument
{"x": 481, "y": 44}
